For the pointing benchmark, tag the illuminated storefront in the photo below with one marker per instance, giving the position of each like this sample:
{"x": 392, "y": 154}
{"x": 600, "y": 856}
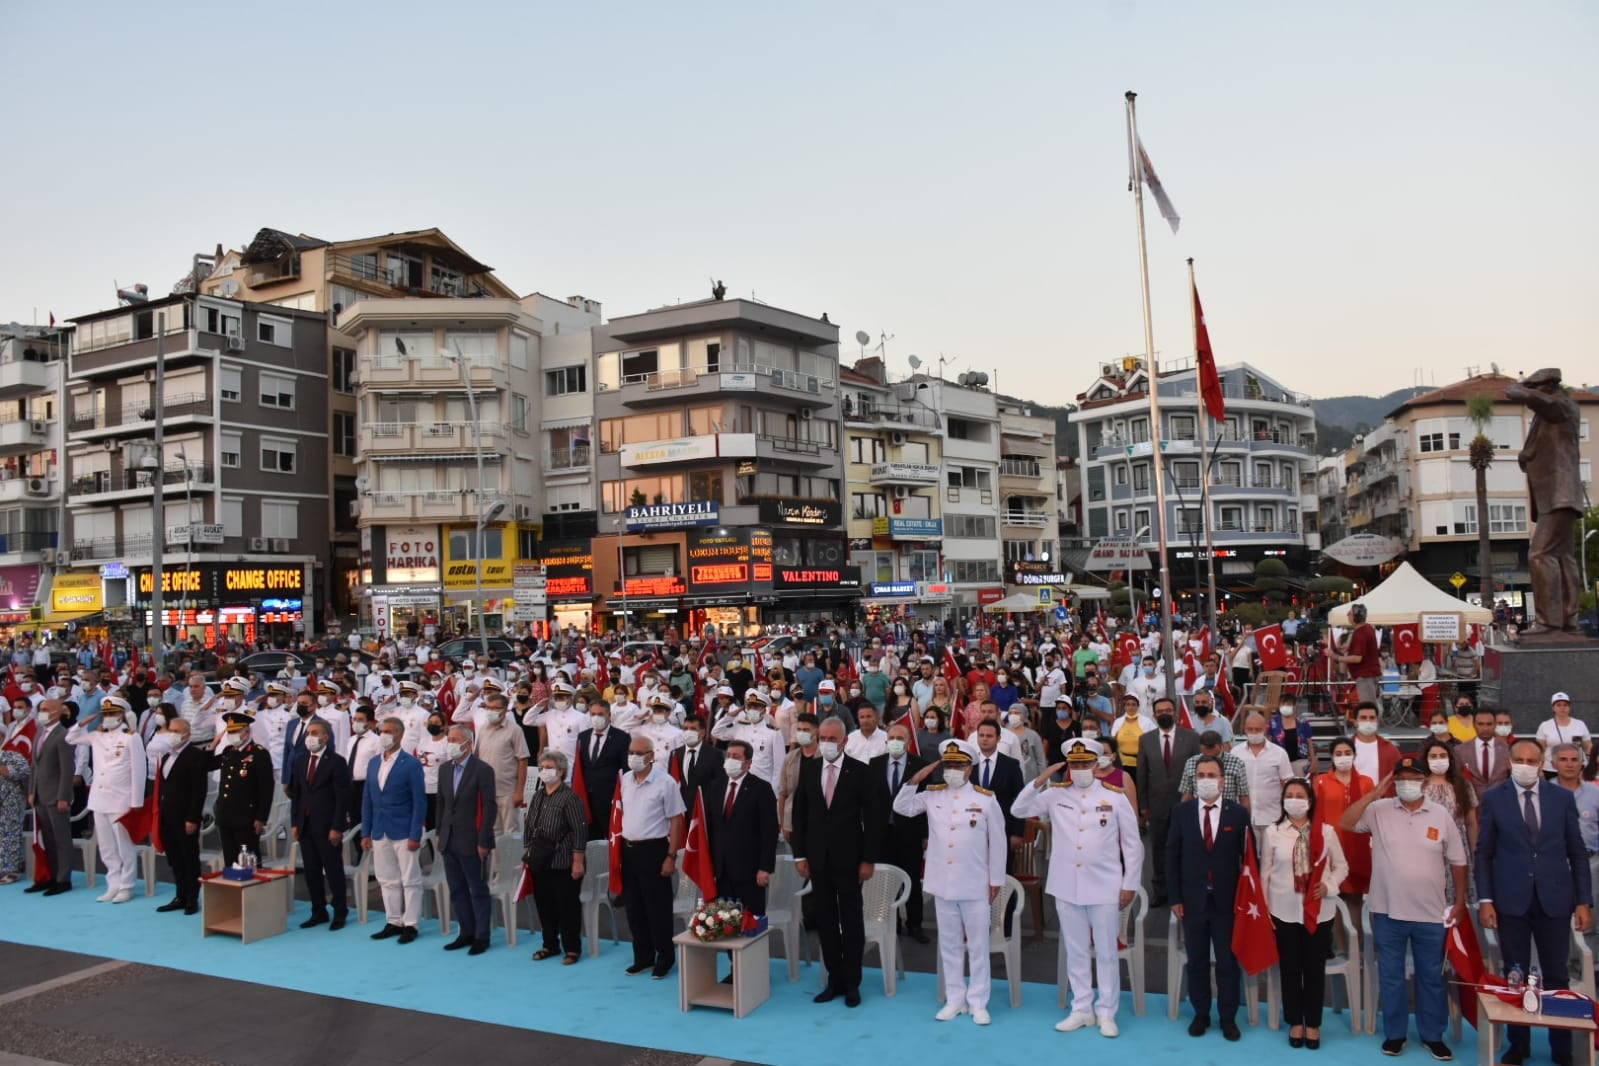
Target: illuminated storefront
{"x": 243, "y": 602}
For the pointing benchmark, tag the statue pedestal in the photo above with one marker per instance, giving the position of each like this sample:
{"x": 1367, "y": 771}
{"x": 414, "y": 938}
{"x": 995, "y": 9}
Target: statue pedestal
{"x": 1520, "y": 679}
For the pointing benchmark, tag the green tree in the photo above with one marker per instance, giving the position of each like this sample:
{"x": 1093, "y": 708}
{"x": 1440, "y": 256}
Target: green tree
{"x": 1480, "y": 410}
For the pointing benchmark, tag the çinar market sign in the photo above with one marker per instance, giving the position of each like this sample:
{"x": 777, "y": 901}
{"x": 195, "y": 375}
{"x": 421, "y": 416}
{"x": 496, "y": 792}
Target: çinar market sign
{"x": 76, "y": 594}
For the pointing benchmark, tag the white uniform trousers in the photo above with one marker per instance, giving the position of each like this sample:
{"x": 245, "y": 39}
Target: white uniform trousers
{"x": 1079, "y": 922}
{"x": 506, "y": 820}
{"x": 399, "y": 873}
{"x": 116, "y": 851}
{"x": 963, "y": 936}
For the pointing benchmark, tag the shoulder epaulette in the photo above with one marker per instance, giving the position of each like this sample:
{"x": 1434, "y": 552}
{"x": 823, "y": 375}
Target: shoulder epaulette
{"x": 935, "y": 788}
{"x": 980, "y": 790}
{"x": 1060, "y": 784}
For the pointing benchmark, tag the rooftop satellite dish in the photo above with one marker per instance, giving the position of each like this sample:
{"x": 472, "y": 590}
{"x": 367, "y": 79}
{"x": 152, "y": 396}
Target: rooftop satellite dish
{"x": 862, "y": 337}
{"x": 916, "y": 362}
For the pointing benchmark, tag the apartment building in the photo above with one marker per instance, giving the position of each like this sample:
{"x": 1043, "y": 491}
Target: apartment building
{"x": 1029, "y": 504}
{"x": 1377, "y": 483}
{"x": 719, "y": 470}
{"x": 30, "y": 477}
{"x": 242, "y": 470}
{"x": 1332, "y": 499}
{"x": 894, "y": 452}
{"x": 1266, "y": 443}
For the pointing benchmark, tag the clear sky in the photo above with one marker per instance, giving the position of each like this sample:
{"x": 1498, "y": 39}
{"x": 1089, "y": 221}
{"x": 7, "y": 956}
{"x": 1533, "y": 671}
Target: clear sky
{"x": 1375, "y": 193}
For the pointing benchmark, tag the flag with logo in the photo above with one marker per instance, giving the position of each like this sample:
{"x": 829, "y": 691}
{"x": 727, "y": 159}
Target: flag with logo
{"x": 1127, "y": 648}
{"x": 1273, "y": 650}
{"x": 1407, "y": 643}
{"x": 697, "y": 863}
{"x": 1254, "y": 942}
{"x": 614, "y": 840}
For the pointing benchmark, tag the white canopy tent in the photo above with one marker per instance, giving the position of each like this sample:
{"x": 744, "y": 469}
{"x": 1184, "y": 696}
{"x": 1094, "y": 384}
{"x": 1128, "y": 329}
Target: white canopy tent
{"x": 1404, "y": 598}
{"x": 1016, "y": 603}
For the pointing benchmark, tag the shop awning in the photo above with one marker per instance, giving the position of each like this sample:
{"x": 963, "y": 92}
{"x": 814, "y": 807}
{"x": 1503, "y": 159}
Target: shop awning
{"x": 59, "y": 618}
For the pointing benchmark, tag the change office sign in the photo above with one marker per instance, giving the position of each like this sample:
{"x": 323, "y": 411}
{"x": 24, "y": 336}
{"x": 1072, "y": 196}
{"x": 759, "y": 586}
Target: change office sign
{"x": 646, "y": 518}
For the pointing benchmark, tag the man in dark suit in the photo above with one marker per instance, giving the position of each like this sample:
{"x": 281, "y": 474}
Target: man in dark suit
{"x": 181, "y": 776}
{"x": 50, "y": 792}
{"x": 840, "y": 812}
{"x": 466, "y": 839}
{"x": 295, "y": 732}
{"x": 697, "y": 764}
{"x": 319, "y": 810}
{"x": 1487, "y": 758}
{"x": 1162, "y": 754}
{"x": 602, "y": 752}
{"x": 741, "y": 819}
{"x": 1204, "y": 854}
{"x": 1532, "y": 880}
{"x": 905, "y": 839}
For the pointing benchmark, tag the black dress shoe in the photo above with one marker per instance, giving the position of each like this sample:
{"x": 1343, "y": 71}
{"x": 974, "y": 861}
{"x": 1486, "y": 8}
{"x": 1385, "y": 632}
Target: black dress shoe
{"x": 170, "y": 906}
{"x": 1199, "y": 1026}
{"x": 826, "y": 995}
{"x": 852, "y": 998}
{"x": 478, "y": 947}
{"x": 38, "y": 886}
{"x": 337, "y": 923}
{"x": 408, "y": 934}
{"x": 639, "y": 967}
{"x": 1297, "y": 1041}
{"x": 660, "y": 972}
{"x": 1514, "y": 1056}
{"x": 1229, "y": 1029}
{"x": 388, "y": 932}
{"x": 57, "y": 888}
{"x": 918, "y": 935}
{"x": 458, "y": 943}
{"x": 191, "y": 908}
{"x": 314, "y": 921}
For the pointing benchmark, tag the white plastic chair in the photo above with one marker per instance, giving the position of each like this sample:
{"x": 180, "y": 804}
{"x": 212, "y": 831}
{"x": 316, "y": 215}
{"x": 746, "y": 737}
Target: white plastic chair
{"x": 276, "y": 833}
{"x": 596, "y": 893}
{"x": 1008, "y": 947}
{"x": 89, "y": 850}
{"x": 1129, "y": 949}
{"x": 683, "y": 896}
{"x": 881, "y": 897}
{"x": 505, "y": 879}
{"x": 783, "y": 915}
{"x": 1177, "y": 974}
{"x": 144, "y": 855}
{"x": 358, "y": 875}
{"x": 1346, "y": 964}
{"x": 1372, "y": 995}
{"x": 435, "y": 886}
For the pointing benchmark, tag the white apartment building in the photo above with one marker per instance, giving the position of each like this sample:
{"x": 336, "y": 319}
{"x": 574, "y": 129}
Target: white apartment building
{"x": 30, "y": 477}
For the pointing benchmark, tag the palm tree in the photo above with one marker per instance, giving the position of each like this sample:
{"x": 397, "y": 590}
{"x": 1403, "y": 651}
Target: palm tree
{"x": 1480, "y": 410}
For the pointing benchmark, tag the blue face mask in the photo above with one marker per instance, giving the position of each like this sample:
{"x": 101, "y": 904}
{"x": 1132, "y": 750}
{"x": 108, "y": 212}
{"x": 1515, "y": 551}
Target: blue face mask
{"x": 1061, "y": 716}
{"x": 826, "y": 700}
{"x": 1149, "y": 671}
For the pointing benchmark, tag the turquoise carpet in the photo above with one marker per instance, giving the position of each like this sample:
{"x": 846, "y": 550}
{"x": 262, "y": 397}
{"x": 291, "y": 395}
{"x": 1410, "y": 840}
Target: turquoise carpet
{"x": 596, "y": 1000}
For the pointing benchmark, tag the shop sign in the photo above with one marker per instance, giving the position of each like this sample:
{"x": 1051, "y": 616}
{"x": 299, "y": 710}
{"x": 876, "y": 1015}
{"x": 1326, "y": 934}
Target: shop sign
{"x": 678, "y": 450}
{"x": 76, "y": 594}
{"x": 880, "y": 589}
{"x": 669, "y": 585}
{"x": 908, "y": 528}
{"x": 412, "y": 553}
{"x": 648, "y": 517}
{"x": 263, "y": 579}
{"x": 801, "y": 512}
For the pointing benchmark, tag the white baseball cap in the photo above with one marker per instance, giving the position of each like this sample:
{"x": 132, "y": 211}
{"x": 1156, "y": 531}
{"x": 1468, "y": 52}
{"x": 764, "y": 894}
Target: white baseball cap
{"x": 1559, "y": 697}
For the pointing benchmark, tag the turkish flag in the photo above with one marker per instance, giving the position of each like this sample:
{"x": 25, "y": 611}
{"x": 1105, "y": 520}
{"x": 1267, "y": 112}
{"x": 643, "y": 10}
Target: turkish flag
{"x": 1209, "y": 380}
{"x": 1465, "y": 956}
{"x": 952, "y": 670}
{"x": 579, "y": 784}
{"x": 41, "y": 857}
{"x": 1407, "y": 643}
{"x": 1185, "y": 718}
{"x": 697, "y": 850}
{"x": 22, "y": 742}
{"x": 910, "y": 726}
{"x": 1190, "y": 669}
{"x": 1254, "y": 942}
{"x": 524, "y": 884}
{"x": 1127, "y": 646}
{"x": 1229, "y": 706}
{"x": 614, "y": 840}
{"x": 1269, "y": 644}
{"x": 145, "y": 821}
{"x": 1204, "y": 644}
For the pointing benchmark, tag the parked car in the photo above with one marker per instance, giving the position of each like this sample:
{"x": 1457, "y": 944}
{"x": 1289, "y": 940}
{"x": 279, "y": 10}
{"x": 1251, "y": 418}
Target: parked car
{"x": 470, "y": 648}
{"x": 269, "y": 663}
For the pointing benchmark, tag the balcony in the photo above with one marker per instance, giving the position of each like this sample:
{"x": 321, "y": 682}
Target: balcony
{"x": 130, "y": 484}
{"x": 22, "y": 377}
{"x": 114, "y": 418}
{"x": 1028, "y": 519}
{"x": 422, "y": 440}
{"x": 449, "y": 505}
{"x": 22, "y": 489}
{"x": 903, "y": 474}
{"x": 406, "y": 274}
{"x": 21, "y": 437}
{"x": 680, "y": 384}
{"x": 21, "y": 543}
{"x": 391, "y": 371}
{"x": 1020, "y": 468}
{"x": 569, "y": 460}
{"x": 913, "y": 418}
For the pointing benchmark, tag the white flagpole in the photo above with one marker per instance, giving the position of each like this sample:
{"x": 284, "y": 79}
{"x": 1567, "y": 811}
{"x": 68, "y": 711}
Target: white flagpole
{"x": 1153, "y": 386}
{"x": 1204, "y": 463}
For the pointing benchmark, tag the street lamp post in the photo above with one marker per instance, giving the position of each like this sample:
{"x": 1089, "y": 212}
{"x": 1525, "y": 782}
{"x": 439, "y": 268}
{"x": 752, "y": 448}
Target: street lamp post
{"x": 483, "y": 516}
{"x": 157, "y": 512}
{"x": 621, "y": 572}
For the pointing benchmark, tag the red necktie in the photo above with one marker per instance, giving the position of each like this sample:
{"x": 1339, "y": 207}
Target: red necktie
{"x": 727, "y": 808}
{"x": 1485, "y": 773}
{"x": 310, "y": 772}
{"x": 1165, "y": 743}
{"x": 1210, "y": 833}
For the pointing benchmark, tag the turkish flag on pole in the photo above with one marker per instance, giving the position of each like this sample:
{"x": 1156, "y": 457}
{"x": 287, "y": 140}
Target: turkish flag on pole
{"x": 1407, "y": 643}
{"x": 1185, "y": 717}
{"x": 524, "y": 884}
{"x": 1465, "y": 956}
{"x": 145, "y": 821}
{"x": 22, "y": 743}
{"x": 697, "y": 850}
{"x": 580, "y": 785}
{"x": 910, "y": 726}
{"x": 1190, "y": 670}
{"x": 1229, "y": 706}
{"x": 1209, "y": 380}
{"x": 1254, "y": 942}
{"x": 41, "y": 857}
{"x": 615, "y": 840}
{"x": 1204, "y": 644}
{"x": 1269, "y": 643}
{"x": 1127, "y": 647}
{"x": 952, "y": 670}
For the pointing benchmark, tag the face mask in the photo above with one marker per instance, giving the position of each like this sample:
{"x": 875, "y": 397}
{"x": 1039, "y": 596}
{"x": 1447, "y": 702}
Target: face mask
{"x": 1207, "y": 789}
{"x": 231, "y": 740}
{"x": 548, "y": 775}
{"x": 1407, "y": 791}
{"x": 1366, "y": 729}
{"x": 854, "y": 692}
{"x": 407, "y": 701}
{"x": 435, "y": 729}
{"x": 1105, "y": 761}
{"x": 635, "y": 762}
{"x": 598, "y": 722}
{"x": 1082, "y": 778}
{"x": 302, "y": 710}
{"x": 1002, "y": 678}
{"x": 1090, "y": 734}
{"x": 313, "y": 744}
{"x": 1149, "y": 671}
{"x": 323, "y": 701}
{"x": 803, "y": 737}
{"x": 1061, "y": 716}
{"x": 1296, "y": 807}
{"x": 1165, "y": 721}
{"x": 357, "y": 728}
{"x": 153, "y": 700}
{"x": 493, "y": 717}
{"x": 896, "y": 748}
{"x": 733, "y": 767}
{"x": 753, "y": 715}
{"x": 1255, "y": 739}
{"x": 1203, "y": 710}
{"x": 386, "y": 741}
{"x": 1342, "y": 763}
{"x": 1503, "y": 730}
{"x": 1439, "y": 766}
{"x": 455, "y": 749}
{"x": 954, "y": 778}
{"x": 177, "y": 740}
{"x": 829, "y": 749}
{"x": 1524, "y": 776}
{"x": 826, "y": 699}
{"x": 659, "y": 718}
{"x": 468, "y": 671}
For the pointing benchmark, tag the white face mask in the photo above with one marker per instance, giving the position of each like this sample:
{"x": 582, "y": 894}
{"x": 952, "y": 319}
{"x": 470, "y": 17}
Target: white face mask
{"x": 407, "y": 701}
{"x": 659, "y": 717}
{"x": 896, "y": 748}
{"x": 691, "y": 739}
{"x": 357, "y": 727}
{"x": 177, "y": 740}
{"x": 231, "y": 740}
{"x": 548, "y": 775}
{"x": 753, "y": 715}
{"x": 1503, "y": 730}
{"x": 454, "y": 749}
{"x": 1255, "y": 739}
{"x": 1342, "y": 763}
{"x": 273, "y": 702}
{"x": 598, "y": 722}
{"x": 1207, "y": 788}
{"x": 154, "y": 699}
{"x": 829, "y": 750}
{"x": 635, "y": 762}
{"x": 493, "y": 717}
{"x": 313, "y": 744}
{"x": 1090, "y": 734}
{"x": 930, "y": 722}
{"x": 1439, "y": 728}
{"x": 1438, "y": 766}
{"x": 1013, "y": 720}
{"x": 803, "y": 737}
{"x": 954, "y": 778}
{"x": 734, "y": 768}
{"x": 1082, "y": 777}
{"x": 1408, "y": 791}
{"x": 1296, "y": 806}
{"x": 1105, "y": 761}
{"x": 323, "y": 700}
{"x": 1524, "y": 776}
{"x": 1366, "y": 729}
{"x": 386, "y": 741}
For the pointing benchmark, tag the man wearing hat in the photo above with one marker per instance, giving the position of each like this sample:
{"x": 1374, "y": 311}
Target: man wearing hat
{"x": 753, "y": 727}
{"x": 332, "y": 708}
{"x": 245, "y": 793}
{"x": 966, "y": 849}
{"x": 118, "y": 783}
{"x": 1415, "y": 851}
{"x": 1552, "y": 461}
{"x": 625, "y": 714}
{"x": 658, "y": 728}
{"x": 561, "y": 721}
{"x": 1096, "y": 864}
{"x": 272, "y": 719}
{"x": 410, "y": 713}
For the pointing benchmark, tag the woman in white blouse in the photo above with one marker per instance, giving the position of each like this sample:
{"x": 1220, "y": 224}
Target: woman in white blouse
{"x": 1294, "y": 845}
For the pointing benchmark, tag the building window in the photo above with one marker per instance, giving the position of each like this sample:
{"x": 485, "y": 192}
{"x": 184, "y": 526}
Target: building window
{"x": 1266, "y": 520}
{"x": 463, "y": 543}
{"x": 866, "y": 450}
{"x": 1188, "y": 522}
{"x": 280, "y": 519}
{"x": 922, "y": 566}
{"x": 974, "y": 571}
{"x": 969, "y": 477}
{"x": 519, "y": 413}
{"x": 1182, "y": 427}
{"x": 232, "y": 516}
{"x": 1121, "y": 473}
{"x": 970, "y": 526}
{"x": 229, "y": 450}
{"x": 1123, "y": 520}
{"x": 1141, "y": 525}
{"x": 277, "y": 391}
{"x": 274, "y": 331}
{"x": 1018, "y": 551}
{"x": 867, "y": 505}
{"x": 277, "y": 456}
{"x": 1430, "y": 442}
{"x": 1232, "y": 519}
{"x": 343, "y": 370}
{"x": 1507, "y": 518}
{"x": 566, "y": 380}
{"x": 230, "y": 383}
{"x": 216, "y": 320}
{"x": 1140, "y": 478}
{"x": 343, "y": 433}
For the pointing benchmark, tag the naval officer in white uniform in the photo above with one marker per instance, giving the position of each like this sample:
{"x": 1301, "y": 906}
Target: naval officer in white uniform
{"x": 966, "y": 844}
{"x": 1095, "y": 865}
{"x": 118, "y": 786}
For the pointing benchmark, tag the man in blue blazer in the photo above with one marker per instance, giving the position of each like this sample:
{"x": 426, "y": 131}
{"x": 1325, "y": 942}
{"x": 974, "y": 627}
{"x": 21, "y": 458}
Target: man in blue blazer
{"x": 392, "y": 811}
{"x": 1205, "y": 848}
{"x": 1532, "y": 880}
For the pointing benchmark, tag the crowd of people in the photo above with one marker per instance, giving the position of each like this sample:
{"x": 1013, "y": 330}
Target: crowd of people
{"x": 849, "y": 749}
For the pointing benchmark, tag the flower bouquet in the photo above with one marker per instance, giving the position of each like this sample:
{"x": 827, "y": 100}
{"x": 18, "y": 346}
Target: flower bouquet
{"x": 720, "y": 919}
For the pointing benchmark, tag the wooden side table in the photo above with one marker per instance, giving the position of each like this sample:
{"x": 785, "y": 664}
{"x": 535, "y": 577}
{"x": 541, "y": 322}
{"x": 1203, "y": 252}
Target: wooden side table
{"x": 697, "y": 983}
{"x": 249, "y": 910}
{"x": 1496, "y": 1014}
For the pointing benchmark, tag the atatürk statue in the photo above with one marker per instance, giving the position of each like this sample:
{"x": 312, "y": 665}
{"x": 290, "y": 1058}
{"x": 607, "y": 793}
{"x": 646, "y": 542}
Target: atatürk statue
{"x": 1554, "y": 483}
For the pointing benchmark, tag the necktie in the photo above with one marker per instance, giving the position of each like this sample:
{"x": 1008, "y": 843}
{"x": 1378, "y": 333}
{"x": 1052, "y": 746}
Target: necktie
{"x": 1165, "y": 744}
{"x": 1529, "y": 812}
{"x": 893, "y": 777}
{"x": 986, "y": 771}
{"x": 594, "y": 749}
{"x": 310, "y": 771}
{"x": 692, "y": 757}
{"x": 1210, "y": 832}
{"x": 1485, "y": 771}
{"x": 832, "y": 781}
{"x": 727, "y": 808}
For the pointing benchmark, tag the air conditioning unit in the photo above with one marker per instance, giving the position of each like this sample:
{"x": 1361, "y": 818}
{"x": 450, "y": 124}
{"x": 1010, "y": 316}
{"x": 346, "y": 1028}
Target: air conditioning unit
{"x": 109, "y": 445}
{"x": 902, "y": 492}
{"x": 280, "y": 544}
{"x": 48, "y": 556}
{"x": 355, "y": 508}
{"x": 36, "y": 427}
{"x": 523, "y": 511}
{"x": 235, "y": 342}
{"x": 258, "y": 544}
{"x": 37, "y": 486}
{"x": 806, "y": 414}
{"x": 896, "y": 439}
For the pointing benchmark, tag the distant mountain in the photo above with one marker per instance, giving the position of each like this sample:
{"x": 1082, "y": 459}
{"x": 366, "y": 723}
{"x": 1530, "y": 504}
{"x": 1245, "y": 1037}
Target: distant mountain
{"x": 1359, "y": 413}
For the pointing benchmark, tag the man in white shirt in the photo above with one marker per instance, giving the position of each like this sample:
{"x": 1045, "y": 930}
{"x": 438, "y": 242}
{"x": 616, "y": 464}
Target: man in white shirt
{"x": 359, "y": 750}
{"x": 561, "y": 722}
{"x": 753, "y": 728}
{"x": 1268, "y": 767}
{"x": 663, "y": 736}
{"x": 652, "y": 830}
{"x": 1147, "y": 685}
{"x": 198, "y": 707}
{"x": 120, "y": 773}
{"x": 332, "y": 709}
{"x": 867, "y": 742}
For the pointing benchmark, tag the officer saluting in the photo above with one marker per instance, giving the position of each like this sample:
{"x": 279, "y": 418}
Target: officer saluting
{"x": 1095, "y": 865}
{"x": 244, "y": 797}
{"x": 966, "y": 844}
